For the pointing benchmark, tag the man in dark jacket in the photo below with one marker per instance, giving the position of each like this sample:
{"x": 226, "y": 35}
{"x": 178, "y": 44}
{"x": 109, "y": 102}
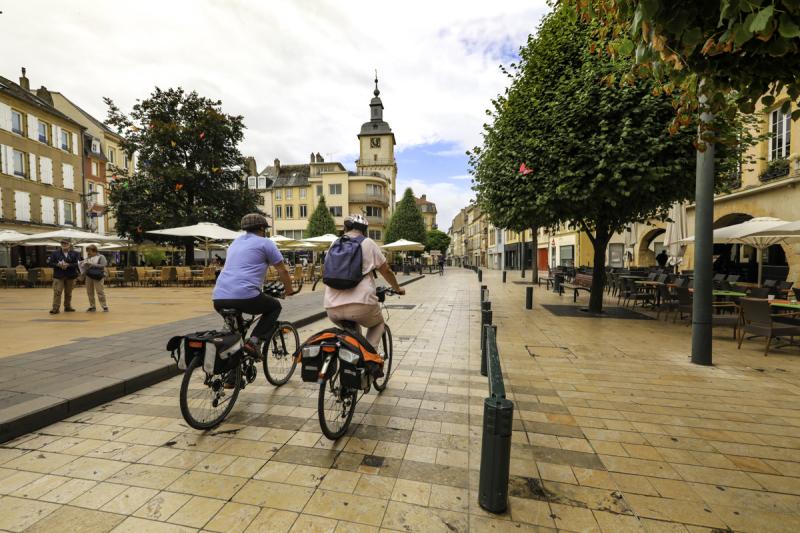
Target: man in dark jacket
{"x": 65, "y": 269}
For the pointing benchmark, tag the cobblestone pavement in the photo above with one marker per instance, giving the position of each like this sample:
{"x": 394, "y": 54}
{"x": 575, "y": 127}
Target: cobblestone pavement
{"x": 615, "y": 431}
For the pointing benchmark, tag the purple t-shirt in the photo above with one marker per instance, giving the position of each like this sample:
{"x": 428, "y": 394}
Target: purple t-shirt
{"x": 245, "y": 266}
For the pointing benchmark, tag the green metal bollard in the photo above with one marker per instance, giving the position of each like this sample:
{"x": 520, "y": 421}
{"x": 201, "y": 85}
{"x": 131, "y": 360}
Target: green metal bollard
{"x": 480, "y": 275}
{"x": 486, "y": 319}
{"x": 528, "y": 297}
{"x": 498, "y": 416}
{"x": 504, "y": 276}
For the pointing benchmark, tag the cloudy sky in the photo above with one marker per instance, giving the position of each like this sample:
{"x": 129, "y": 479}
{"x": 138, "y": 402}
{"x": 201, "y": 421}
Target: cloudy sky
{"x": 300, "y": 72}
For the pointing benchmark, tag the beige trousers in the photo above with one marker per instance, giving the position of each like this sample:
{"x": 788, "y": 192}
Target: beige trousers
{"x": 62, "y": 286}
{"x": 366, "y": 315}
{"x": 95, "y": 285}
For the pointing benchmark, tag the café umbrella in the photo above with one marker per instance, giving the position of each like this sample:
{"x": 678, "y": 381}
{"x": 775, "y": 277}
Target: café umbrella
{"x": 75, "y": 236}
{"x": 205, "y": 232}
{"x": 403, "y": 245}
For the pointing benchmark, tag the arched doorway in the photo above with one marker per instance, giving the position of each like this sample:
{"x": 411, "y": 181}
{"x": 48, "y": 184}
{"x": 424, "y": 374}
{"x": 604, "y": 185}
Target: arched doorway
{"x": 649, "y": 246}
{"x": 742, "y": 260}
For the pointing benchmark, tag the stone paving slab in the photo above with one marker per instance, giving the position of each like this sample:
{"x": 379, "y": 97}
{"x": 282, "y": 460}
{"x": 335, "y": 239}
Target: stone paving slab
{"x": 44, "y": 386}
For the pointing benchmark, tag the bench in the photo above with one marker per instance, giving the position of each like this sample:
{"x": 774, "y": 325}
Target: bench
{"x": 582, "y": 282}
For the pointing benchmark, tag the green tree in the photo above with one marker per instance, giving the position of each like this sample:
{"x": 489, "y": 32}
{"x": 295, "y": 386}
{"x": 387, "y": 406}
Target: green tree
{"x": 601, "y": 155}
{"x": 437, "y": 240}
{"x": 406, "y": 221}
{"x": 321, "y": 221}
{"x": 190, "y": 168}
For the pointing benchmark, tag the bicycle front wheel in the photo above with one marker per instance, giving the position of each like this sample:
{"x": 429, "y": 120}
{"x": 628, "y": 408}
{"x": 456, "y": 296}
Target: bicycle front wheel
{"x": 336, "y": 406}
{"x": 387, "y": 349}
{"x": 279, "y": 352}
{"x": 204, "y": 400}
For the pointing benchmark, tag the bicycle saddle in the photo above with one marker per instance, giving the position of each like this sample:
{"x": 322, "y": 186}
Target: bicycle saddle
{"x": 229, "y": 312}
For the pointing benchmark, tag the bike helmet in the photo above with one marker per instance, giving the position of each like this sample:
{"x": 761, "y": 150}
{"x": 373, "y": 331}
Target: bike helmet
{"x": 356, "y": 221}
{"x": 254, "y": 221}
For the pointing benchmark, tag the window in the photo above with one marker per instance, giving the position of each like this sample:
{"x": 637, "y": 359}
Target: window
{"x": 374, "y": 211}
{"x": 319, "y": 190}
{"x": 780, "y": 140}
{"x": 69, "y": 210}
{"x": 43, "y": 129}
{"x": 336, "y": 210}
{"x": 303, "y": 193}
{"x": 289, "y": 211}
{"x": 303, "y": 211}
{"x": 567, "y": 254}
{"x": 95, "y": 169}
{"x": 251, "y": 182}
{"x": 278, "y": 211}
{"x": 19, "y": 163}
{"x": 374, "y": 190}
{"x": 262, "y": 182}
{"x": 16, "y": 122}
{"x": 288, "y": 194}
{"x": 375, "y": 234}
{"x": 335, "y": 188}
{"x": 277, "y": 194}
{"x": 95, "y": 146}
{"x": 125, "y": 161}
{"x": 99, "y": 198}
{"x": 111, "y": 156}
{"x": 65, "y": 140}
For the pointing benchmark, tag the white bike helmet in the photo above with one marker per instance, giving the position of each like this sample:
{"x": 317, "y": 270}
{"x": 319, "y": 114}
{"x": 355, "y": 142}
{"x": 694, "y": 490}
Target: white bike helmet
{"x": 356, "y": 221}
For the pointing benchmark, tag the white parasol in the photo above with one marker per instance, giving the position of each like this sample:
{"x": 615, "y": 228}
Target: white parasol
{"x": 206, "y": 232}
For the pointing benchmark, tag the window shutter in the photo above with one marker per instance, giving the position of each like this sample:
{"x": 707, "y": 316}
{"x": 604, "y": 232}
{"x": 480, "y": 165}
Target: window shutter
{"x": 79, "y": 214}
{"x": 46, "y": 170}
{"x": 22, "y": 206}
{"x": 74, "y": 144}
{"x": 5, "y": 117}
{"x": 32, "y": 167}
{"x": 33, "y": 127}
{"x": 47, "y": 210}
{"x": 61, "y": 212}
{"x": 56, "y": 138}
{"x": 3, "y": 159}
{"x": 68, "y": 176}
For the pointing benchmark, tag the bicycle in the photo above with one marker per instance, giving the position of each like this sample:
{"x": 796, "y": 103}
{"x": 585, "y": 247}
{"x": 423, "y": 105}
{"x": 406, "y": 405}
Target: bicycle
{"x": 205, "y": 399}
{"x": 340, "y": 381}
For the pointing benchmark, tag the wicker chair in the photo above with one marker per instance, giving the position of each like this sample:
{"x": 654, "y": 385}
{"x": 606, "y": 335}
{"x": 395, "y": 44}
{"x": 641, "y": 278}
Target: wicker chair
{"x": 184, "y": 275}
{"x": 141, "y": 276}
{"x": 759, "y": 322}
{"x": 46, "y": 277}
{"x": 11, "y": 278}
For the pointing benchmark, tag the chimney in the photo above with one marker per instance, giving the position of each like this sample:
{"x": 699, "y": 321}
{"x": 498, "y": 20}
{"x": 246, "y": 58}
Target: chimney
{"x": 277, "y": 164}
{"x": 312, "y": 158}
{"x": 44, "y": 94}
{"x": 319, "y": 158}
{"x": 423, "y": 198}
{"x": 24, "y": 82}
{"x": 250, "y": 163}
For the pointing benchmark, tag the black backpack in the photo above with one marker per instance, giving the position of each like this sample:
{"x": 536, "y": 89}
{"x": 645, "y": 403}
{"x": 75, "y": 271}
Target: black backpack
{"x": 342, "y": 269}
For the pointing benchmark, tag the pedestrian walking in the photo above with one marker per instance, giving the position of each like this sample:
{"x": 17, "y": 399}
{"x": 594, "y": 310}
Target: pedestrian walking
{"x": 93, "y": 269}
{"x": 65, "y": 270}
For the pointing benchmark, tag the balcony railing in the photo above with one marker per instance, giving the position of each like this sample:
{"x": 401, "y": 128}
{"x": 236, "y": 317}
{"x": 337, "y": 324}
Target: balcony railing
{"x": 376, "y": 220}
{"x": 380, "y": 199}
{"x": 381, "y": 162}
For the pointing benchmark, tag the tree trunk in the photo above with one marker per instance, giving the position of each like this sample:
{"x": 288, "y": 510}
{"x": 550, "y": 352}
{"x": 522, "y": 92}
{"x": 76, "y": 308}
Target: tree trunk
{"x": 189, "y": 252}
{"x": 535, "y": 252}
{"x": 600, "y": 243}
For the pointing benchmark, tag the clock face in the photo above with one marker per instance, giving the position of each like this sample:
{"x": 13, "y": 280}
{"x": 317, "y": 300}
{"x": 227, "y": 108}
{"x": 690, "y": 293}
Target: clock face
{"x": 375, "y": 142}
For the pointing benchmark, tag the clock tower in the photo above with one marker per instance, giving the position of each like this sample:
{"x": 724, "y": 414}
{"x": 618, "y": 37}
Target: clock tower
{"x": 376, "y": 140}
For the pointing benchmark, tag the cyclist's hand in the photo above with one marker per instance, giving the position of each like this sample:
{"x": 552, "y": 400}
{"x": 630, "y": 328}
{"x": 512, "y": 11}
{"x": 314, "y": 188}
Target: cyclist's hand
{"x": 400, "y": 291}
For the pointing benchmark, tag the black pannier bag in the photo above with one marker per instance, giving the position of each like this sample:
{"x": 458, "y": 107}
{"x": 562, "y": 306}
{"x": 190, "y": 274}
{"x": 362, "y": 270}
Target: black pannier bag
{"x": 353, "y": 353}
{"x": 219, "y": 350}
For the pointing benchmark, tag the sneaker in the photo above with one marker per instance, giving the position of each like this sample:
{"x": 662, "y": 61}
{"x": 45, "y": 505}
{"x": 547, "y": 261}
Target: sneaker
{"x": 105, "y": 309}
{"x": 54, "y": 311}
{"x": 252, "y": 350}
{"x": 69, "y": 310}
{"x": 91, "y": 310}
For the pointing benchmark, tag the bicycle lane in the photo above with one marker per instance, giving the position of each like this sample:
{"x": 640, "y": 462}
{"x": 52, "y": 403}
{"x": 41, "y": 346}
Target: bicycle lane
{"x": 407, "y": 463}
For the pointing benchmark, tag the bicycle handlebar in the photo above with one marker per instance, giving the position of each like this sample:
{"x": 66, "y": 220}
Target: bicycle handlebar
{"x": 276, "y": 289}
{"x": 383, "y": 292}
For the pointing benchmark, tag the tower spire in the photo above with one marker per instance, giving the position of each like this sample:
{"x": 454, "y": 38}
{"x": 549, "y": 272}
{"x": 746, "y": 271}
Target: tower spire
{"x": 376, "y": 92}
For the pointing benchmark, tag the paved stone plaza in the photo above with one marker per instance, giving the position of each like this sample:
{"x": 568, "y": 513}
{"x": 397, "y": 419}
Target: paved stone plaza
{"x": 615, "y": 431}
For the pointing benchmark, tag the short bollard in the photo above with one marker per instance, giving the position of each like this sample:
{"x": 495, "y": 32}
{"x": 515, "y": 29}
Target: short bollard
{"x": 486, "y": 319}
{"x": 528, "y": 297}
{"x": 504, "y": 276}
{"x": 480, "y": 275}
{"x": 484, "y": 293}
{"x": 498, "y": 415}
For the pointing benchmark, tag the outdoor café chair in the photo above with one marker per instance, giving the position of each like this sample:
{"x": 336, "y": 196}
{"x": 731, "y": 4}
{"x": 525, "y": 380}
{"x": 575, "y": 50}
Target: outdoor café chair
{"x": 759, "y": 322}
{"x": 46, "y": 277}
{"x": 732, "y": 278}
{"x": 684, "y": 303}
{"x": 769, "y": 283}
{"x": 667, "y": 302}
{"x": 11, "y": 277}
{"x": 758, "y": 292}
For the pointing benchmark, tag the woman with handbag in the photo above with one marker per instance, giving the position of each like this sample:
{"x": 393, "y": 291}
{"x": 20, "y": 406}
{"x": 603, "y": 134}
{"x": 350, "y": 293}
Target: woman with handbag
{"x": 93, "y": 269}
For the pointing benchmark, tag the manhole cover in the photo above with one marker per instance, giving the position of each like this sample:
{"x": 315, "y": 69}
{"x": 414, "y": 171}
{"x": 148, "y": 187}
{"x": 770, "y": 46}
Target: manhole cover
{"x": 549, "y": 351}
{"x": 400, "y": 306}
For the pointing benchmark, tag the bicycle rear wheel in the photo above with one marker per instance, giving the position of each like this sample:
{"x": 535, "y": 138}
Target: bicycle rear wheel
{"x": 388, "y": 348}
{"x": 336, "y": 406}
{"x": 204, "y": 400}
{"x": 278, "y": 353}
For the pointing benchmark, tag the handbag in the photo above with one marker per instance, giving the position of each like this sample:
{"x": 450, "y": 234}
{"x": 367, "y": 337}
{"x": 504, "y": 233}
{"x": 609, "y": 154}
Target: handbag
{"x": 95, "y": 272}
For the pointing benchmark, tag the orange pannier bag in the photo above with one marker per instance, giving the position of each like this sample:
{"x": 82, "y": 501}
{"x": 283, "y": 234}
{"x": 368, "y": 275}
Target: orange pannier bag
{"x": 333, "y": 339}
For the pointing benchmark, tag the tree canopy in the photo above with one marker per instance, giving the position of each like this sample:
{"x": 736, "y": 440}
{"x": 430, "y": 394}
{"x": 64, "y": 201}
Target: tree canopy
{"x": 750, "y": 47}
{"x": 437, "y": 240}
{"x": 321, "y": 221}
{"x": 406, "y": 221}
{"x": 190, "y": 168}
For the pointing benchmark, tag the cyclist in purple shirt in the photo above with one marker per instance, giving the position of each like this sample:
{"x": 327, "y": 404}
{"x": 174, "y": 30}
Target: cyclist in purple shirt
{"x": 241, "y": 280}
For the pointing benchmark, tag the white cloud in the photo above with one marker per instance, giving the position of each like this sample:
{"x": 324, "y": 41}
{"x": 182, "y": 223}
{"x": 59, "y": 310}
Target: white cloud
{"x": 448, "y": 197}
{"x": 299, "y": 71}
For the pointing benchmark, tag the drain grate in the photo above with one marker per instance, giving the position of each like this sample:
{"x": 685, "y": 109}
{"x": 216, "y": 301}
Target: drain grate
{"x": 400, "y": 306}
